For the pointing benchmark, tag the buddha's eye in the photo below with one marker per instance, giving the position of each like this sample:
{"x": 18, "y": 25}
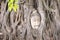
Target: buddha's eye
{"x": 37, "y": 18}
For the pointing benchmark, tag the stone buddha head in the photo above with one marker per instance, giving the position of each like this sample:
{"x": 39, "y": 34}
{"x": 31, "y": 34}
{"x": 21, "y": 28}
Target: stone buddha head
{"x": 35, "y": 19}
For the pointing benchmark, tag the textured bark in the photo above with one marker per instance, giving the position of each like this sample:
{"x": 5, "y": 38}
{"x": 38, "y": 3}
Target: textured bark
{"x": 18, "y": 25}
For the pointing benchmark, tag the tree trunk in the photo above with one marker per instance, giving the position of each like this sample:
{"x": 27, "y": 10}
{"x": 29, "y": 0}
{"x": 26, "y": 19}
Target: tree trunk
{"x": 33, "y": 20}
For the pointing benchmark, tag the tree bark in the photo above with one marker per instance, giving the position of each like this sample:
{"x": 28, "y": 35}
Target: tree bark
{"x": 18, "y": 25}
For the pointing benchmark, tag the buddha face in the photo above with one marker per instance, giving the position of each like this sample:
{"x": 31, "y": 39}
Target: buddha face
{"x": 35, "y": 22}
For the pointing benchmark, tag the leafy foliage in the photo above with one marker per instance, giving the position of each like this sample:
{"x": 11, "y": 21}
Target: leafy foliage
{"x": 12, "y": 4}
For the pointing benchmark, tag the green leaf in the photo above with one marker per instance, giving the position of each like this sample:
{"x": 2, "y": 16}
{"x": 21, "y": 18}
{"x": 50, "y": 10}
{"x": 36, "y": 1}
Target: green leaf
{"x": 15, "y": 7}
{"x": 10, "y": 7}
{"x": 11, "y": 1}
{"x": 16, "y": 0}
